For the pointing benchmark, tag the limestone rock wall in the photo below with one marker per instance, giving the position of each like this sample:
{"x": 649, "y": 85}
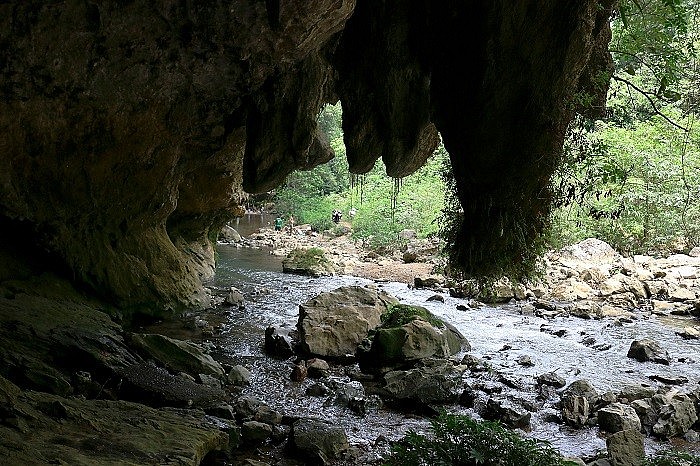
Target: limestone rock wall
{"x": 131, "y": 131}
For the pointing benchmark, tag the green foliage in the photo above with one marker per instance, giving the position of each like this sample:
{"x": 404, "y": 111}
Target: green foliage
{"x": 655, "y": 39}
{"x": 632, "y": 179}
{"x": 384, "y": 206}
{"x": 673, "y": 458}
{"x": 461, "y": 441}
{"x": 400, "y": 314}
{"x": 633, "y": 187}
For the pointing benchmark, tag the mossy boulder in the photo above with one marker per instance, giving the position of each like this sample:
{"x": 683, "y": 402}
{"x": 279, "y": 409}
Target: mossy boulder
{"x": 407, "y": 335}
{"x": 311, "y": 261}
{"x": 332, "y": 324}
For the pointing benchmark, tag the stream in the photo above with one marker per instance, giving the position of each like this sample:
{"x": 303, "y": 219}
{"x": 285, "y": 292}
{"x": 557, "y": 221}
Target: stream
{"x": 573, "y": 347}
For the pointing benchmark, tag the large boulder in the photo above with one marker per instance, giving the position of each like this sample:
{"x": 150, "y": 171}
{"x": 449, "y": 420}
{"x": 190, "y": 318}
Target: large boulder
{"x": 407, "y": 335}
{"x": 318, "y": 442}
{"x": 438, "y": 383}
{"x": 311, "y": 261}
{"x": 53, "y": 430}
{"x": 333, "y": 323}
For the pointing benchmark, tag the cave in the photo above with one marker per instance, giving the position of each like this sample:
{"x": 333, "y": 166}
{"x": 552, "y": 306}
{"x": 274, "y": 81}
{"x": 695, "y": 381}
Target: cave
{"x": 132, "y": 131}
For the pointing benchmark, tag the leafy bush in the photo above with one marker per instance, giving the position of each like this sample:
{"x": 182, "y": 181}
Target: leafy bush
{"x": 461, "y": 441}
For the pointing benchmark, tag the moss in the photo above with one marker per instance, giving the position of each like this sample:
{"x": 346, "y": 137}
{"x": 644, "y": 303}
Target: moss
{"x": 307, "y": 259}
{"x": 389, "y": 344}
{"x": 401, "y": 314}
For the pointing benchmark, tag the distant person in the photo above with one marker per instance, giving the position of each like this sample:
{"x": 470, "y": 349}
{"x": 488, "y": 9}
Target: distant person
{"x": 352, "y": 212}
{"x": 337, "y": 215}
{"x": 279, "y": 223}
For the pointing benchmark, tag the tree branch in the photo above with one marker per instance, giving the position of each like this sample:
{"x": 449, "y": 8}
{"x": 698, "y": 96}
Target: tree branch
{"x": 651, "y": 101}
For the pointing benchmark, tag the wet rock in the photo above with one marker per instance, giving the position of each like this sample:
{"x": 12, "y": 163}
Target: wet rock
{"x": 299, "y": 372}
{"x": 646, "y": 410}
{"x": 670, "y": 379}
{"x": 317, "y": 389}
{"x": 246, "y": 407}
{"x": 575, "y": 410}
{"x": 626, "y": 448}
{"x": 630, "y": 393}
{"x": 317, "y": 368}
{"x": 255, "y": 433}
{"x": 318, "y": 442}
{"x": 648, "y": 350}
{"x": 437, "y": 384}
{"x": 278, "y": 342}
{"x": 333, "y": 323}
{"x": 177, "y": 355}
{"x": 582, "y": 387}
{"x": 155, "y": 386}
{"x": 393, "y": 345}
{"x": 506, "y": 412}
{"x": 525, "y": 361}
{"x": 234, "y": 297}
{"x": 468, "y": 397}
{"x": 347, "y": 391}
{"x": 675, "y": 417}
{"x": 436, "y": 297}
{"x": 222, "y": 410}
{"x": 475, "y": 363}
{"x": 616, "y": 417}
{"x": 208, "y": 380}
{"x": 238, "y": 375}
{"x": 267, "y": 415}
{"x": 552, "y": 379}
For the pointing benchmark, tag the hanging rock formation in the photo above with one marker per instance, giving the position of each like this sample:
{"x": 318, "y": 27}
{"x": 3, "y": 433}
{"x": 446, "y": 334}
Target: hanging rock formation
{"x": 131, "y": 131}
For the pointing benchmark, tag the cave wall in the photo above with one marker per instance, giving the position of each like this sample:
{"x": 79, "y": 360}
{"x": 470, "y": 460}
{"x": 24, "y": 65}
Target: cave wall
{"x": 130, "y": 131}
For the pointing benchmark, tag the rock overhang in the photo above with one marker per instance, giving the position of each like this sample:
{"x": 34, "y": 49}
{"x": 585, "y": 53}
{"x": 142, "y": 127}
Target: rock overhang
{"x": 131, "y": 131}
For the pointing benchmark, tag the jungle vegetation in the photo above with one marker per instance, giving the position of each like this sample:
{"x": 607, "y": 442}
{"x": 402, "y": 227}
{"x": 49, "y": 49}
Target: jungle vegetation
{"x": 631, "y": 178}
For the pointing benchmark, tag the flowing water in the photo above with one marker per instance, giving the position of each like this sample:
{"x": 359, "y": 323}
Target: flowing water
{"x": 573, "y": 347}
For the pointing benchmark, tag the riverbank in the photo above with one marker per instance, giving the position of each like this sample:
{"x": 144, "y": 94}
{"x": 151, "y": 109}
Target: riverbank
{"x": 349, "y": 256}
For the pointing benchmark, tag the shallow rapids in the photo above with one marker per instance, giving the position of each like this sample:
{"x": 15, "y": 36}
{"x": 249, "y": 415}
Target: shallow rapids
{"x": 573, "y": 347}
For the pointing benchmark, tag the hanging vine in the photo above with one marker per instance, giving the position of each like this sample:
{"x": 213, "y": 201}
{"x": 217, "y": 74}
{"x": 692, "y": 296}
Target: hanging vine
{"x": 395, "y": 196}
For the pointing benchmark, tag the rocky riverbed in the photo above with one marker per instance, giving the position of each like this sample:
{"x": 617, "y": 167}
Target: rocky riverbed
{"x": 537, "y": 346}
{"x": 599, "y": 356}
